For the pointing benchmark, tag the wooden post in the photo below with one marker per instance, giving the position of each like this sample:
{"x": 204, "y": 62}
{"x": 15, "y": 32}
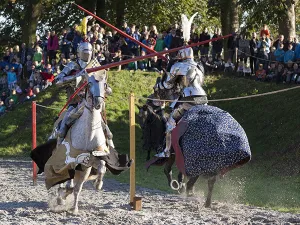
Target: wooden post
{"x": 132, "y": 146}
{"x": 34, "y": 169}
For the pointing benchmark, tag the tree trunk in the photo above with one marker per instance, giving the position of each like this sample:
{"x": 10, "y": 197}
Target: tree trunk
{"x": 287, "y": 24}
{"x": 32, "y": 15}
{"x": 89, "y": 5}
{"x": 120, "y": 11}
{"x": 101, "y": 9}
{"x": 225, "y": 28}
{"x": 234, "y": 15}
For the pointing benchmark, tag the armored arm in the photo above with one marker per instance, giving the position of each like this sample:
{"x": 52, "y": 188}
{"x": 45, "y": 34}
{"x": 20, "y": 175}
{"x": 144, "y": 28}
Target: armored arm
{"x": 65, "y": 77}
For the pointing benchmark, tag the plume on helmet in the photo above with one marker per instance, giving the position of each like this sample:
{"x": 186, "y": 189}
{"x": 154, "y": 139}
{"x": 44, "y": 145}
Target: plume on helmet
{"x": 186, "y": 26}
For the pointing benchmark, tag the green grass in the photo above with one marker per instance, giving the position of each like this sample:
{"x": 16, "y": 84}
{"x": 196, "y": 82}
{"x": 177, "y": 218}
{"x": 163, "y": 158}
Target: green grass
{"x": 272, "y": 124}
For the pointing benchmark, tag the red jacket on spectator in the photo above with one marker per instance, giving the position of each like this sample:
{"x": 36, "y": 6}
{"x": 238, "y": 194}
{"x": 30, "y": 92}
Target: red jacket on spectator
{"x": 266, "y": 32}
{"x": 52, "y": 43}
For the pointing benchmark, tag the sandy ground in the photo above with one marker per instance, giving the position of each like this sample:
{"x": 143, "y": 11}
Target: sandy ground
{"x": 22, "y": 203}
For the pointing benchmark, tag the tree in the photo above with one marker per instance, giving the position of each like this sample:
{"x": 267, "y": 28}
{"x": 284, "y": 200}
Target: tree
{"x": 280, "y": 15}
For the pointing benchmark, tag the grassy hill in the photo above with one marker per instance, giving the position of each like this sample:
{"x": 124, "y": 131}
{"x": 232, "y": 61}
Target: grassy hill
{"x": 271, "y": 122}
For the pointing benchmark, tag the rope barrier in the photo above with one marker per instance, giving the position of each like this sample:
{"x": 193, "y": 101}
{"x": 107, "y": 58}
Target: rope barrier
{"x": 47, "y": 107}
{"x": 224, "y": 99}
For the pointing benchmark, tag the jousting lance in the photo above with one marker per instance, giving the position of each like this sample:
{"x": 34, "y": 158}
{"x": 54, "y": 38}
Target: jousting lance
{"x": 121, "y": 32}
{"x": 90, "y": 70}
{"x": 115, "y": 64}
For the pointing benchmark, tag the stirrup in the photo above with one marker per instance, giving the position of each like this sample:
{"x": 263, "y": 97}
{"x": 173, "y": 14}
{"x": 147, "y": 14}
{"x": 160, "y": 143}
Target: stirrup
{"x": 163, "y": 154}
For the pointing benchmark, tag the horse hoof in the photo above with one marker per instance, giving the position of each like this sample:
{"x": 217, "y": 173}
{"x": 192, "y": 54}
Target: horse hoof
{"x": 207, "y": 205}
{"x": 74, "y": 211}
{"x": 98, "y": 185}
{"x": 182, "y": 188}
{"x": 60, "y": 201}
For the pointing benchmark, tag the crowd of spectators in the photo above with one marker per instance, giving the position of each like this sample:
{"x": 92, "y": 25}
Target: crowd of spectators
{"x": 26, "y": 71}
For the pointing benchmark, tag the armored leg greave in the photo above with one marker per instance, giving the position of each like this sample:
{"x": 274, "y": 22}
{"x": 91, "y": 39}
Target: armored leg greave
{"x": 175, "y": 116}
{"x": 108, "y": 134}
{"x": 71, "y": 116}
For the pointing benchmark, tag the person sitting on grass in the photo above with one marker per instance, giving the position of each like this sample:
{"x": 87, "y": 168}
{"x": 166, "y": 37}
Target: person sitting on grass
{"x": 132, "y": 65}
{"x": 295, "y": 73}
{"x": 210, "y": 65}
{"x": 240, "y": 69}
{"x": 229, "y": 67}
{"x": 219, "y": 63}
{"x": 29, "y": 93}
{"x": 280, "y": 74}
{"x": 2, "y": 108}
{"x": 3, "y": 96}
{"x": 289, "y": 71}
{"x": 271, "y": 72}
{"x": 153, "y": 65}
{"x": 142, "y": 64}
{"x": 3, "y": 80}
{"x": 260, "y": 73}
{"x": 247, "y": 70}
{"x": 10, "y": 105}
{"x": 13, "y": 96}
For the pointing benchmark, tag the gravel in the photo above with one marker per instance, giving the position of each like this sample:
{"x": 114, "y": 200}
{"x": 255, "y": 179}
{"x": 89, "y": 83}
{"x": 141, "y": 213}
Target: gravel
{"x": 23, "y": 203}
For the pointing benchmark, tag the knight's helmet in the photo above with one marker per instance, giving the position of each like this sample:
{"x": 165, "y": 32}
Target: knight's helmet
{"x": 84, "y": 53}
{"x": 186, "y": 53}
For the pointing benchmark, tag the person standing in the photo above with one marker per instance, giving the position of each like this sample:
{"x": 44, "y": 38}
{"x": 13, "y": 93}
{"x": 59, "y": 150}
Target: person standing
{"x": 204, "y": 36}
{"x": 253, "y": 52}
{"x": 52, "y": 46}
{"x": 217, "y": 46}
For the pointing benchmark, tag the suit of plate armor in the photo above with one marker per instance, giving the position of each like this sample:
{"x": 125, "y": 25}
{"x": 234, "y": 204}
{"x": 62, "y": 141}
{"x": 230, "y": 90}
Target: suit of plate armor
{"x": 72, "y": 81}
{"x": 189, "y": 77}
{"x": 190, "y": 83}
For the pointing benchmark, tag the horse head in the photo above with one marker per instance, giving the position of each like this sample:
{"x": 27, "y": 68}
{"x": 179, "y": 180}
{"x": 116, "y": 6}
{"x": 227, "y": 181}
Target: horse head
{"x": 163, "y": 93}
{"x": 96, "y": 89}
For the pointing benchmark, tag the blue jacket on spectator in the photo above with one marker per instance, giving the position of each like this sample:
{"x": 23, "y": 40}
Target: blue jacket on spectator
{"x": 145, "y": 42}
{"x": 279, "y": 54}
{"x": 130, "y": 43}
{"x": 266, "y": 44}
{"x": 11, "y": 77}
{"x": 289, "y": 56}
{"x": 297, "y": 51}
{"x": 77, "y": 39}
{"x": 168, "y": 40}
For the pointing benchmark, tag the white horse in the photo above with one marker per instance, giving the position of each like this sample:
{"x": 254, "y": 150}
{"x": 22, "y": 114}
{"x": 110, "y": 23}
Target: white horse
{"x": 86, "y": 135}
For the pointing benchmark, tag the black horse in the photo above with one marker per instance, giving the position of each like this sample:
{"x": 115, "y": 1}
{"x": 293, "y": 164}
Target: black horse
{"x": 152, "y": 122}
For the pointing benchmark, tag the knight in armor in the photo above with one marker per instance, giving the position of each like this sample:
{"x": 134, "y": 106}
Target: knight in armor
{"x": 187, "y": 76}
{"x": 71, "y": 77}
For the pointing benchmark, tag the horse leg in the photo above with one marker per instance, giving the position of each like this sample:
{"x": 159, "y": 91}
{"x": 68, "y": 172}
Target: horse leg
{"x": 101, "y": 172}
{"x": 79, "y": 179}
{"x": 190, "y": 186}
{"x": 148, "y": 154}
{"x": 182, "y": 186}
{"x": 211, "y": 182}
{"x": 168, "y": 169}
